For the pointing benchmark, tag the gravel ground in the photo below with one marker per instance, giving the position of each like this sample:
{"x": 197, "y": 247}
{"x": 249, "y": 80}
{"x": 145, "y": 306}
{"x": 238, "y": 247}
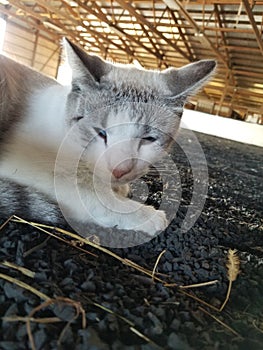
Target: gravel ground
{"x": 123, "y": 308}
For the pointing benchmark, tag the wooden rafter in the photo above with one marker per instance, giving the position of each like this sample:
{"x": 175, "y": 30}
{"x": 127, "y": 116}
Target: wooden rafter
{"x": 183, "y": 36}
{"x": 60, "y": 14}
{"x": 9, "y": 13}
{"x": 220, "y": 24}
{"x": 160, "y": 33}
{"x": 119, "y": 30}
{"x": 222, "y": 35}
{"x": 154, "y": 46}
{"x": 127, "y": 47}
{"x": 253, "y": 24}
{"x": 222, "y": 2}
{"x": 198, "y": 30}
{"x": 65, "y": 31}
{"x": 34, "y": 14}
{"x": 35, "y": 48}
{"x": 141, "y": 19}
{"x": 49, "y": 58}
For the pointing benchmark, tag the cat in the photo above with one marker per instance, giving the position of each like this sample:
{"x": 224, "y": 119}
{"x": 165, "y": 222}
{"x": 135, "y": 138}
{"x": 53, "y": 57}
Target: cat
{"x": 71, "y": 151}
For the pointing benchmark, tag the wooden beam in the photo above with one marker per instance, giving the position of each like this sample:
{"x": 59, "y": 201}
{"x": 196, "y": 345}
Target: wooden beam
{"x": 69, "y": 18}
{"x": 222, "y": 35}
{"x": 32, "y": 13}
{"x": 222, "y": 2}
{"x": 131, "y": 38}
{"x": 254, "y": 24}
{"x": 70, "y": 34}
{"x": 140, "y": 18}
{"x": 237, "y": 105}
{"x": 248, "y": 73}
{"x": 183, "y": 36}
{"x": 71, "y": 10}
{"x": 237, "y": 48}
{"x": 223, "y": 96}
{"x": 8, "y": 12}
{"x": 35, "y": 49}
{"x": 120, "y": 32}
{"x": 220, "y": 24}
{"x": 198, "y": 30}
{"x": 49, "y": 58}
{"x": 129, "y": 51}
{"x": 60, "y": 14}
{"x": 231, "y": 89}
{"x": 229, "y": 30}
{"x": 153, "y": 44}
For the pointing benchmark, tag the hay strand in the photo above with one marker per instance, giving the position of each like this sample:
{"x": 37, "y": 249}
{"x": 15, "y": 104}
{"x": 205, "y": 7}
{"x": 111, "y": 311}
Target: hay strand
{"x": 21, "y": 269}
{"x": 220, "y": 322}
{"x": 157, "y": 262}
{"x": 25, "y": 286}
{"x": 233, "y": 269}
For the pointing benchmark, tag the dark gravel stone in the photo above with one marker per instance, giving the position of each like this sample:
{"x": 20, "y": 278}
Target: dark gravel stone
{"x": 123, "y": 307}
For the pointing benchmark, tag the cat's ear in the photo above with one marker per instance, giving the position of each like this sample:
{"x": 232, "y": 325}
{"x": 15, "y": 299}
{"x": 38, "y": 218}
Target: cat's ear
{"x": 190, "y": 78}
{"x": 84, "y": 65}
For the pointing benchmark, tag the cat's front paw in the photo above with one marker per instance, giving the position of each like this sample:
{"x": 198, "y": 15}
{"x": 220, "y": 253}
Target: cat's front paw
{"x": 122, "y": 190}
{"x": 151, "y": 220}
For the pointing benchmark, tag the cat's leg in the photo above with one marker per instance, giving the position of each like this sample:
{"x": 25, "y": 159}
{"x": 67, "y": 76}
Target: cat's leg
{"x": 127, "y": 214}
{"x": 28, "y": 203}
{"x": 109, "y": 209}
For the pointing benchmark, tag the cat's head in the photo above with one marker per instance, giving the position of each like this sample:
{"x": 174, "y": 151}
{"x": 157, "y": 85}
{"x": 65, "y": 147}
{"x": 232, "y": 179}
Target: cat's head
{"x": 123, "y": 117}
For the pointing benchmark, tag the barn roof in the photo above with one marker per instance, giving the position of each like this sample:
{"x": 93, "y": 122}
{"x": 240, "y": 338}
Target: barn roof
{"x": 159, "y": 34}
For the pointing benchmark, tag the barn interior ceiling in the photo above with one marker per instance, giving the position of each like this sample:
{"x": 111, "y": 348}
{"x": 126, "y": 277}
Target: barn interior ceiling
{"x": 159, "y": 34}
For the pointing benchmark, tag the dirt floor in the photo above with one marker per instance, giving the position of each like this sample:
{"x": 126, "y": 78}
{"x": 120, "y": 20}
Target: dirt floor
{"x": 81, "y": 301}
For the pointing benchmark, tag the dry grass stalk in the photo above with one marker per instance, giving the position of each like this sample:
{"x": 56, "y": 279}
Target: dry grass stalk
{"x": 221, "y": 322}
{"x": 157, "y": 262}
{"x": 21, "y": 269}
{"x": 78, "y": 240}
{"x": 134, "y": 330}
{"x": 232, "y": 265}
{"x": 25, "y": 286}
{"x": 130, "y": 323}
{"x": 6, "y": 222}
{"x": 81, "y": 240}
{"x": 36, "y": 247}
{"x": 259, "y": 328}
{"x": 46, "y": 228}
{"x": 16, "y": 318}
{"x": 233, "y": 269}
{"x": 196, "y": 285}
{"x": 76, "y": 244}
{"x": 75, "y": 304}
{"x": 194, "y": 297}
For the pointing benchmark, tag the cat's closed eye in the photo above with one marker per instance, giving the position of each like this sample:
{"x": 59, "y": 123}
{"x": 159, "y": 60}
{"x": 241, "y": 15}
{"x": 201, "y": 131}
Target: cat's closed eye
{"x": 76, "y": 88}
{"x": 149, "y": 138}
{"x": 77, "y": 118}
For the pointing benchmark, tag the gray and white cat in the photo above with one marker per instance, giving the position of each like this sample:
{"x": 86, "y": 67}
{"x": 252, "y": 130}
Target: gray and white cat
{"x": 80, "y": 146}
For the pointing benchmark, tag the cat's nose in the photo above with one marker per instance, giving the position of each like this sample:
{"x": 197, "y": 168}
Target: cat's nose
{"x": 118, "y": 172}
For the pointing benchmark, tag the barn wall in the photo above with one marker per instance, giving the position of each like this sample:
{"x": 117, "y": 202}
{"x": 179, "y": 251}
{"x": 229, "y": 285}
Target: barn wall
{"x": 227, "y": 128}
{"x": 32, "y": 49}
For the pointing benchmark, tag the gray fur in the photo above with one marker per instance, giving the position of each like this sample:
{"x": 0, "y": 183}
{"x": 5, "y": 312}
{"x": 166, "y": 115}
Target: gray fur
{"x": 17, "y": 82}
{"x": 30, "y": 204}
